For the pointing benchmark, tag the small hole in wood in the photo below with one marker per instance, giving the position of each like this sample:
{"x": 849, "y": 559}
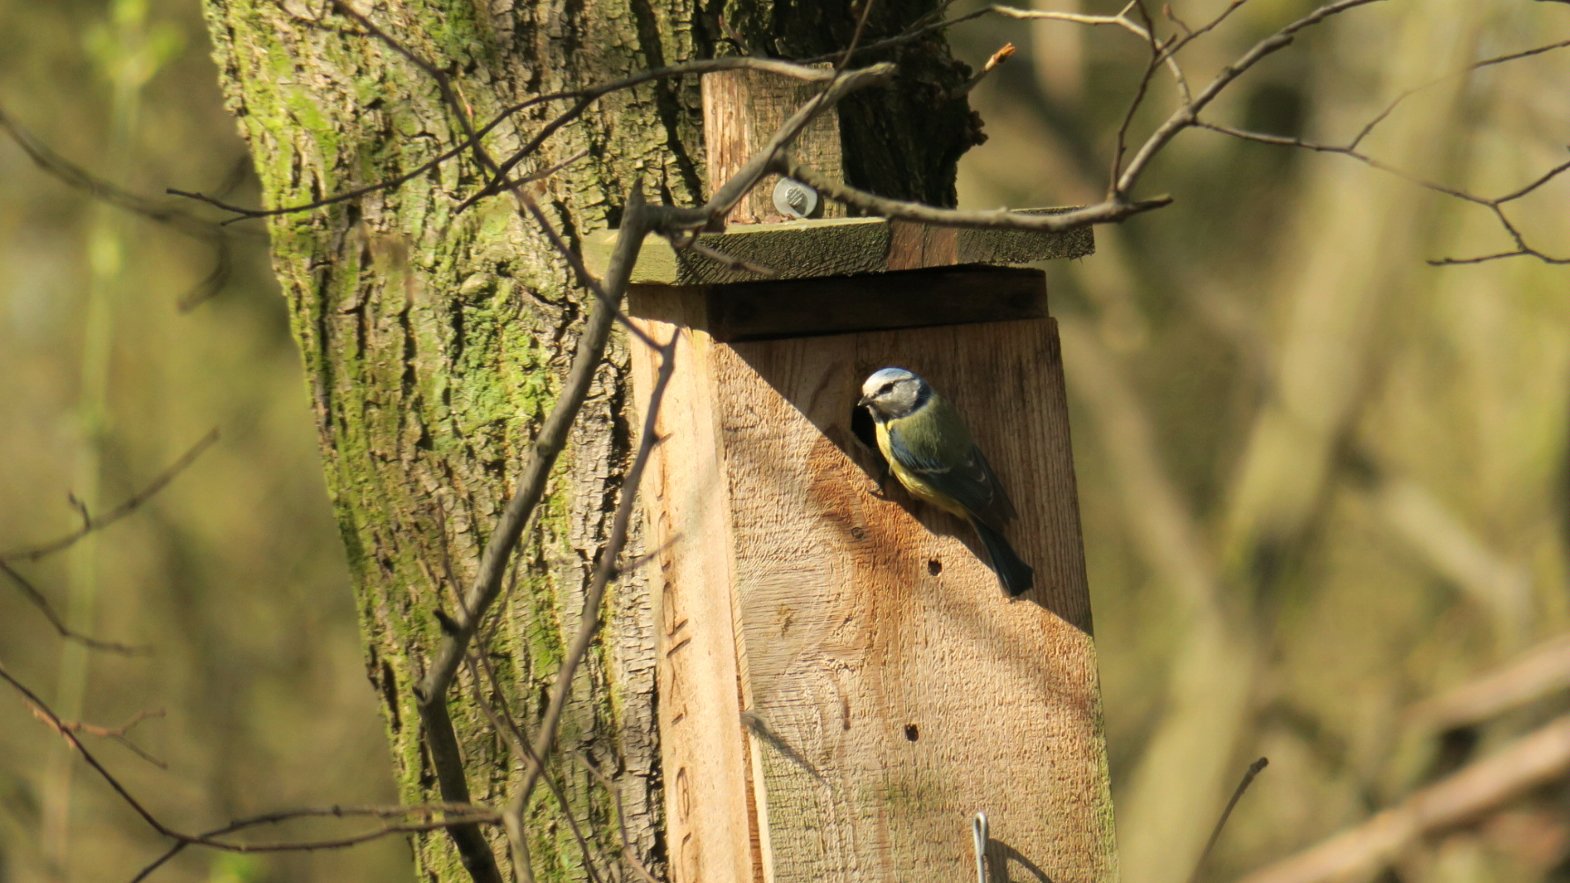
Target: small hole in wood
{"x": 934, "y": 567}
{"x": 911, "y": 732}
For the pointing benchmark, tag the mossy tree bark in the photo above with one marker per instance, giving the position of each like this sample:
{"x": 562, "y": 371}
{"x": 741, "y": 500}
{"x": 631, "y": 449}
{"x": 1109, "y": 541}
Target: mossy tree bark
{"x": 433, "y": 340}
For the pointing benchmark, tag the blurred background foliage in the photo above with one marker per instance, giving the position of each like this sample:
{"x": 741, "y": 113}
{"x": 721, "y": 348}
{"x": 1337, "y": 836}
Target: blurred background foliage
{"x": 1323, "y": 483}
{"x": 234, "y": 575}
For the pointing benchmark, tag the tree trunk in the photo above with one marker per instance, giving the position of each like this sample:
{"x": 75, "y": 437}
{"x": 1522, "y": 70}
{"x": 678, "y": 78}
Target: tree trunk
{"x": 433, "y": 340}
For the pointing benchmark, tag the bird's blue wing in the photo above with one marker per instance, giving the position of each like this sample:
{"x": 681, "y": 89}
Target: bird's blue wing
{"x": 940, "y": 451}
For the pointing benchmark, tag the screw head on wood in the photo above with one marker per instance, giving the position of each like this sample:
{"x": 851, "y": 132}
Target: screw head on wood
{"x": 794, "y": 198}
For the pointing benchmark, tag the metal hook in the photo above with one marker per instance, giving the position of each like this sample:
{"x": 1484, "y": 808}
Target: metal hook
{"x": 979, "y": 830}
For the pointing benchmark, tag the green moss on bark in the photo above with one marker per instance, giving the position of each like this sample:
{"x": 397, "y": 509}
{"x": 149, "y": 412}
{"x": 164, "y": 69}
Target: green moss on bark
{"x": 433, "y": 342}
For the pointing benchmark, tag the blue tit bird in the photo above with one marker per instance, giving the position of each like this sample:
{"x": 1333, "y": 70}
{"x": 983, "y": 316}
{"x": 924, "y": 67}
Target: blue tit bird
{"x": 933, "y": 455}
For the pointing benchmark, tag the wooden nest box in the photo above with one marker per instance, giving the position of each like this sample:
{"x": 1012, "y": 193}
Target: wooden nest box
{"x": 843, "y": 686}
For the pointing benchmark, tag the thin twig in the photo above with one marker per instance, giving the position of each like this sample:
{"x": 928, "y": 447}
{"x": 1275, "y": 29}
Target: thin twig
{"x": 79, "y": 178}
{"x": 549, "y": 444}
{"x": 768, "y": 157}
{"x": 1496, "y": 205}
{"x": 118, "y": 734}
{"x": 92, "y": 523}
{"x": 1188, "y": 113}
{"x": 37, "y": 599}
{"x": 466, "y": 814}
{"x": 545, "y": 735}
{"x": 507, "y": 726}
{"x": 613, "y": 788}
{"x": 587, "y": 97}
{"x": 1396, "y": 102}
{"x": 1105, "y": 212}
{"x": 1254, "y": 769}
{"x": 1157, "y": 49}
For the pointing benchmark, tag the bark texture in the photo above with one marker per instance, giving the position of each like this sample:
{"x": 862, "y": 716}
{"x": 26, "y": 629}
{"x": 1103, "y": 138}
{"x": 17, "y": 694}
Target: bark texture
{"x": 433, "y": 341}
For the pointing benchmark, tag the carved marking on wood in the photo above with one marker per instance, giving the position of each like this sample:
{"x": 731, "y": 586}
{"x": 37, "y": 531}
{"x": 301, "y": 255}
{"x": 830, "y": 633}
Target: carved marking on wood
{"x": 700, "y": 731}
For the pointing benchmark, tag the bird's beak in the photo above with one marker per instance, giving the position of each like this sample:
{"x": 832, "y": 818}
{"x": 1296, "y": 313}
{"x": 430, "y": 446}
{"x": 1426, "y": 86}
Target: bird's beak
{"x": 863, "y": 402}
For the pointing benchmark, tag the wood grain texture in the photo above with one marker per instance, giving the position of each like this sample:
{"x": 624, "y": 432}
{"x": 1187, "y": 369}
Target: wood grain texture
{"x": 815, "y": 249}
{"x": 707, "y": 795}
{"x": 742, "y": 110}
{"x": 891, "y": 690}
{"x": 877, "y": 645}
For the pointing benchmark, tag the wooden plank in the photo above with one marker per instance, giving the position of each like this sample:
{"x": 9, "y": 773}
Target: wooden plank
{"x": 742, "y": 109}
{"x": 686, "y": 520}
{"x": 896, "y": 690}
{"x": 815, "y": 249}
{"x": 841, "y": 304}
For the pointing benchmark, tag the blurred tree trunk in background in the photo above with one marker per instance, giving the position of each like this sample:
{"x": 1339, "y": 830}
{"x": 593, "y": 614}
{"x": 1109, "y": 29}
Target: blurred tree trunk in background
{"x": 432, "y": 341}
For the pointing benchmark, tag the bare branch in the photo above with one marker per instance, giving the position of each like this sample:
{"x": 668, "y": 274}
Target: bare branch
{"x": 185, "y": 223}
{"x": 1105, "y": 212}
{"x": 118, "y": 734}
{"x": 1253, "y": 771}
{"x": 1157, "y": 50}
{"x": 1192, "y": 34}
{"x": 614, "y": 789}
{"x": 1536, "y": 759}
{"x": 855, "y": 37}
{"x": 1188, "y": 113}
{"x": 507, "y": 726}
{"x": 1543, "y": 670}
{"x": 545, "y": 737}
{"x": 428, "y": 817}
{"x": 1474, "y": 66}
{"x": 91, "y": 523}
{"x": 587, "y": 97}
{"x": 548, "y": 445}
{"x": 37, "y": 599}
{"x": 100, "y": 189}
{"x": 1496, "y": 205}
{"x": 769, "y": 157}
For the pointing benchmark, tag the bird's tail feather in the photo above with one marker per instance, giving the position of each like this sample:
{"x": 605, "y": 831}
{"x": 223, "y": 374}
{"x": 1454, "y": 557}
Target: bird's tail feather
{"x": 1015, "y": 575}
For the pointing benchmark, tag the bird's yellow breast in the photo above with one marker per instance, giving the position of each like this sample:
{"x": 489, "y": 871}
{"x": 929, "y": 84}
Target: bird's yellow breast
{"x": 913, "y": 482}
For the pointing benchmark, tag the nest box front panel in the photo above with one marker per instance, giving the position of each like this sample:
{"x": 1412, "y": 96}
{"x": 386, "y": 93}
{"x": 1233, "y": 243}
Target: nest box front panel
{"x": 891, "y": 689}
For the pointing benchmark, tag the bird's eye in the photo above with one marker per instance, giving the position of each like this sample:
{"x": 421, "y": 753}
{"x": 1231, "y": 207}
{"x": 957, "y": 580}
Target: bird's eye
{"x": 886, "y": 388}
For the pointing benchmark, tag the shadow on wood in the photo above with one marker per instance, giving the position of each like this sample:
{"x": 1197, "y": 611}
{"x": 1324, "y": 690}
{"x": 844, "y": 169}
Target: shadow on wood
{"x": 1000, "y": 377}
{"x": 1005, "y": 864}
{"x": 840, "y": 669}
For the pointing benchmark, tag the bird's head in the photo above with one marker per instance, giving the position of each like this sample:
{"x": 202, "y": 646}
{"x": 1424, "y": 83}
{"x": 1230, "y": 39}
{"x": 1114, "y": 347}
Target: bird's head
{"x": 891, "y": 393}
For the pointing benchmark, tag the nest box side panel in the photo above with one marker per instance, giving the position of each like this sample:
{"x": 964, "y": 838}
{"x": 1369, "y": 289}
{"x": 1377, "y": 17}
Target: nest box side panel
{"x": 710, "y": 836}
{"x": 892, "y": 689}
